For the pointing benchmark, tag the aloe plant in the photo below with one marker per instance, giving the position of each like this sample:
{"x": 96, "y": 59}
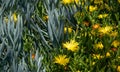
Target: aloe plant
{"x": 13, "y": 58}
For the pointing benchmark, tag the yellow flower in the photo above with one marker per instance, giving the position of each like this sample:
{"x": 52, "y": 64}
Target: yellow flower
{"x": 114, "y": 34}
{"x": 107, "y": 54}
{"x": 118, "y": 68}
{"x": 105, "y": 30}
{"x": 6, "y": 20}
{"x": 119, "y": 1}
{"x": 61, "y": 59}
{"x": 69, "y": 30}
{"x": 93, "y": 63}
{"x": 72, "y": 45}
{"x": 99, "y": 45}
{"x": 77, "y": 71}
{"x": 92, "y": 8}
{"x": 45, "y": 18}
{"x": 67, "y": 1}
{"x": 105, "y": 15}
{"x": 14, "y": 17}
{"x": 97, "y": 56}
{"x": 93, "y": 32}
{"x": 115, "y": 43}
{"x": 102, "y": 16}
{"x": 98, "y": 1}
{"x": 119, "y": 57}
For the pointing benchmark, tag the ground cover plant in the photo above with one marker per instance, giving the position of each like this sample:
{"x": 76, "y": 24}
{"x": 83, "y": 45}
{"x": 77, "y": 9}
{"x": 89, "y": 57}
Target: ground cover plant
{"x": 59, "y": 36}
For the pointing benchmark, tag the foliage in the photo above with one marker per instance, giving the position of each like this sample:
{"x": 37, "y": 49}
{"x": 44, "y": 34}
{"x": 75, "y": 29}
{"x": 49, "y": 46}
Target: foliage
{"x": 59, "y": 35}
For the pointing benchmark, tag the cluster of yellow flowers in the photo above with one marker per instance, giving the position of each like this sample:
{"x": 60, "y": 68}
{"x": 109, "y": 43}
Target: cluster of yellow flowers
{"x": 105, "y": 30}
{"x": 108, "y": 29}
{"x": 61, "y": 59}
{"x": 102, "y": 16}
{"x": 69, "y": 29}
{"x": 99, "y": 45}
{"x": 97, "y": 56}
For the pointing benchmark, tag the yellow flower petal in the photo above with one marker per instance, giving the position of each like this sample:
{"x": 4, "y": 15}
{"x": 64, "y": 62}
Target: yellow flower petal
{"x": 115, "y": 43}
{"x": 98, "y": 1}
{"x": 107, "y": 54}
{"x": 69, "y": 29}
{"x": 118, "y": 68}
{"x": 14, "y": 17}
{"x": 67, "y": 1}
{"x": 99, "y": 45}
{"x": 92, "y": 8}
{"x": 102, "y": 16}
